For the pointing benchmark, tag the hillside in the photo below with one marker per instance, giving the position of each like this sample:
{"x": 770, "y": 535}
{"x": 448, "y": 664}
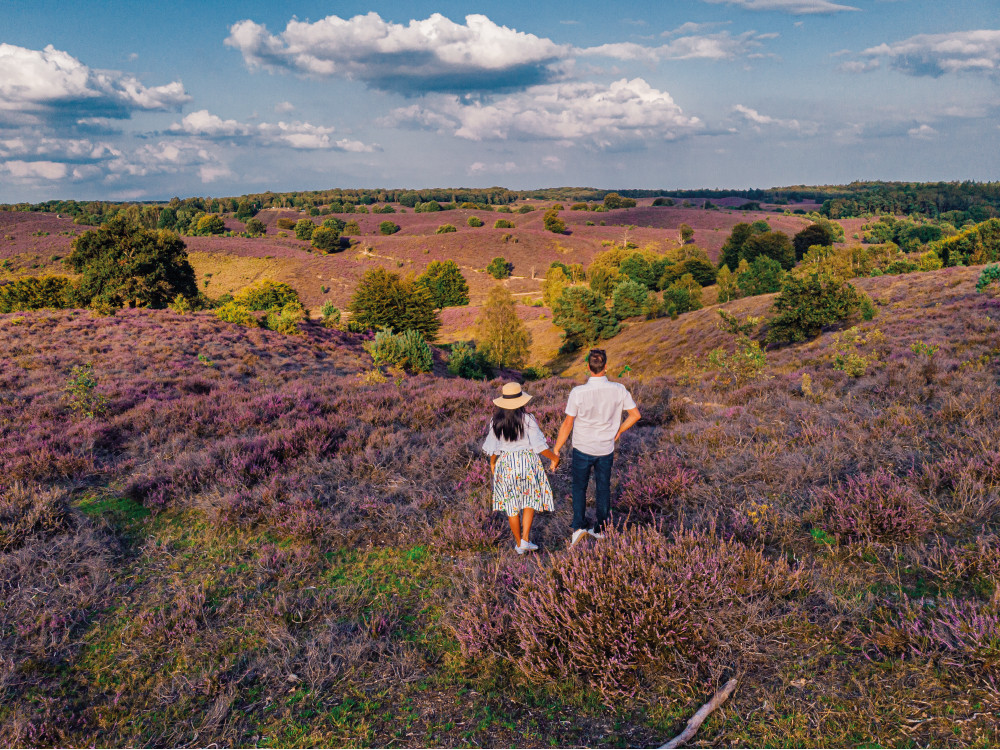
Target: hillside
{"x": 254, "y": 541}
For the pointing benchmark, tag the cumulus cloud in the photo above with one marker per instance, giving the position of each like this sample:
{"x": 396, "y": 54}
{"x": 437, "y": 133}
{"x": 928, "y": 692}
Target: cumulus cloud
{"x": 297, "y": 135}
{"x": 795, "y": 7}
{"x": 924, "y": 132}
{"x": 720, "y": 46}
{"x": 755, "y": 117}
{"x": 626, "y": 111}
{"x": 39, "y": 86}
{"x": 433, "y": 54}
{"x": 32, "y": 170}
{"x": 935, "y": 55}
{"x": 281, "y": 107}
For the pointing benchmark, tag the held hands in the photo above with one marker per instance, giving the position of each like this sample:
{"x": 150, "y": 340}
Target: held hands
{"x": 554, "y": 464}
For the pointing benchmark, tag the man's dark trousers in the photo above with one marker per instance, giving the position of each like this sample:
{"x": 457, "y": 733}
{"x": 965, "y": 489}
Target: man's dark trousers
{"x": 580, "y": 469}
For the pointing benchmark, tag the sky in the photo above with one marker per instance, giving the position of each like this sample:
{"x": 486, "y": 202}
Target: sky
{"x": 144, "y": 101}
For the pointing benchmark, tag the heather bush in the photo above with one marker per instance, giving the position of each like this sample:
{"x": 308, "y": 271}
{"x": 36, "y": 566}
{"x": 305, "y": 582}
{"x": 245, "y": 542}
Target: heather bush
{"x": 407, "y": 350}
{"x": 36, "y": 293}
{"x": 877, "y": 507}
{"x": 654, "y": 484}
{"x": 662, "y": 606}
{"x": 499, "y": 268}
{"x": 805, "y": 306}
{"x": 266, "y": 295}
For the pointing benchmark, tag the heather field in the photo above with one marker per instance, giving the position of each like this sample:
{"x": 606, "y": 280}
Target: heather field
{"x": 231, "y": 536}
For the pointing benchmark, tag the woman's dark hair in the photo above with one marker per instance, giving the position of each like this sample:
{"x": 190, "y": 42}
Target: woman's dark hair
{"x": 508, "y": 424}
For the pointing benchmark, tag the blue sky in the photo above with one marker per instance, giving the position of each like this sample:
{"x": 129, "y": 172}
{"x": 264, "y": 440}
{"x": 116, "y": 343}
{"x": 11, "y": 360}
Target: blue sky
{"x": 116, "y": 100}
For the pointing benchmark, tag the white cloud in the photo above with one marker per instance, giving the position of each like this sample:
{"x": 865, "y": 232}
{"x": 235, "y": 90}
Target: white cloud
{"x": 752, "y": 115}
{"x": 433, "y": 54}
{"x": 934, "y": 55}
{"x": 581, "y": 113}
{"x": 282, "y": 107}
{"x": 29, "y": 170}
{"x": 795, "y": 7}
{"x": 297, "y": 135}
{"x": 925, "y": 132}
{"x": 720, "y": 46}
{"x": 36, "y": 85}
{"x": 478, "y": 167}
{"x": 690, "y": 27}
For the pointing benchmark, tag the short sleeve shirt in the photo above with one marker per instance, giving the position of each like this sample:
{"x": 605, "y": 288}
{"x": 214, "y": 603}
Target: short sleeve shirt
{"x": 532, "y": 439}
{"x": 597, "y": 407}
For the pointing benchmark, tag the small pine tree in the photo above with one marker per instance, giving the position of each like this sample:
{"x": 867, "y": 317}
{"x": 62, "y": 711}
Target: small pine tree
{"x": 326, "y": 239}
{"x": 445, "y": 282}
{"x": 807, "y": 304}
{"x": 630, "y": 298}
{"x": 584, "y": 316}
{"x": 384, "y": 300}
{"x": 304, "y": 229}
{"x": 500, "y": 334}
{"x": 499, "y": 268}
{"x": 553, "y": 223}
{"x": 388, "y": 227}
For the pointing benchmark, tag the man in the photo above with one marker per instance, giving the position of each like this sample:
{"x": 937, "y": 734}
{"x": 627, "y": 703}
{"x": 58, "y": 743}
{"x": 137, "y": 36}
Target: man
{"x": 594, "y": 416}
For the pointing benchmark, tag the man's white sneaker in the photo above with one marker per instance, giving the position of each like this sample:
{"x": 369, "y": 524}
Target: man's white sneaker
{"x": 595, "y": 534}
{"x": 526, "y": 545}
{"x": 577, "y": 536}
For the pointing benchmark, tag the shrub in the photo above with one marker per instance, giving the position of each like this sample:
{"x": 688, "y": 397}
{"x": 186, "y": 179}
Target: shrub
{"x": 728, "y": 287}
{"x": 989, "y": 275}
{"x": 499, "y": 268}
{"x": 654, "y": 483}
{"x": 638, "y": 268}
{"x": 384, "y": 300}
{"x": 663, "y": 202}
{"x": 255, "y": 227}
{"x": 286, "y": 223}
{"x": 446, "y": 284}
{"x": 687, "y": 234}
{"x": 806, "y": 305}
{"x": 702, "y": 271}
{"x": 466, "y": 362}
{"x": 503, "y": 224}
{"x": 553, "y": 223}
{"x": 536, "y": 372}
{"x": 445, "y": 229}
{"x": 123, "y": 265}
{"x": 684, "y": 295}
{"x": 331, "y": 315}
{"x": 286, "y": 319}
{"x": 81, "y": 393}
{"x": 233, "y": 313}
{"x": 326, "y": 239}
{"x": 578, "y": 207}
{"x": 584, "y": 317}
{"x": 304, "y": 229}
{"x": 388, "y": 227}
{"x": 629, "y": 298}
{"x": 875, "y": 507}
{"x": 181, "y": 305}
{"x": 501, "y": 336}
{"x": 614, "y": 200}
{"x": 385, "y": 209}
{"x": 556, "y": 279}
{"x": 763, "y": 276}
{"x": 774, "y": 245}
{"x": 407, "y": 350}
{"x": 36, "y": 293}
{"x": 351, "y": 228}
{"x": 814, "y": 234}
{"x": 929, "y": 261}
{"x": 977, "y": 244}
{"x": 525, "y": 209}
{"x": 748, "y": 361}
{"x": 266, "y": 295}
{"x": 474, "y": 221}
{"x": 210, "y": 224}
{"x": 427, "y": 208}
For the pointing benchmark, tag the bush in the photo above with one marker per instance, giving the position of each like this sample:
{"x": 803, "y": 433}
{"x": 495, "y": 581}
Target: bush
{"x": 388, "y": 227}
{"x": 123, "y": 265}
{"x": 445, "y": 229}
{"x": 233, "y": 313}
{"x": 266, "y": 295}
{"x": 536, "y": 372}
{"x": 466, "y": 362}
{"x": 326, "y": 239}
{"x": 584, "y": 317}
{"x": 427, "y": 208}
{"x": 614, "y": 200}
{"x": 638, "y": 268}
{"x": 806, "y": 305}
{"x": 603, "y": 279}
{"x": 763, "y": 276}
{"x": 929, "y": 261}
{"x": 256, "y": 227}
{"x": 474, "y": 221}
{"x": 701, "y": 270}
{"x": 503, "y": 224}
{"x": 331, "y": 315}
{"x": 553, "y": 223}
{"x": 286, "y": 320}
{"x": 407, "y": 350}
{"x": 687, "y": 234}
{"x": 446, "y": 284}
{"x": 684, "y": 295}
{"x": 556, "y": 279}
{"x": 989, "y": 275}
{"x": 499, "y": 268}
{"x": 774, "y": 245}
{"x": 304, "y": 229}
{"x": 629, "y": 298}
{"x": 663, "y": 202}
{"x": 385, "y": 209}
{"x": 384, "y": 300}
{"x": 814, "y": 234}
{"x": 875, "y": 508}
{"x": 211, "y": 224}
{"x": 525, "y": 209}
{"x": 285, "y": 223}
{"x": 351, "y": 228}
{"x": 36, "y": 293}
{"x": 501, "y": 336}
{"x": 81, "y": 393}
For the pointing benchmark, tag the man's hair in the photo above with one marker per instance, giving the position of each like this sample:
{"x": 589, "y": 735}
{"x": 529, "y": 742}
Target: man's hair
{"x": 597, "y": 360}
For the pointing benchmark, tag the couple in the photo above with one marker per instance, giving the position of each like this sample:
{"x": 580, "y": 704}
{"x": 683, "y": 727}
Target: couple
{"x": 515, "y": 441}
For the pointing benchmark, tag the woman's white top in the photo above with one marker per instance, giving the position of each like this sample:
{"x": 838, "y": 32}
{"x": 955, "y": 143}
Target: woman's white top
{"x": 532, "y": 439}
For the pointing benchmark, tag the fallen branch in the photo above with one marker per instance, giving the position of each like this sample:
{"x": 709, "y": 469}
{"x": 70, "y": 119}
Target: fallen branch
{"x": 695, "y": 722}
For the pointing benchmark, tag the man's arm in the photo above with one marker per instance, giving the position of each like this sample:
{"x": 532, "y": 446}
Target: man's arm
{"x": 564, "y": 432}
{"x": 633, "y": 417}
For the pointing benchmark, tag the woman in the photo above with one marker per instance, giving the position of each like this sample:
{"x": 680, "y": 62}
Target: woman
{"x": 513, "y": 444}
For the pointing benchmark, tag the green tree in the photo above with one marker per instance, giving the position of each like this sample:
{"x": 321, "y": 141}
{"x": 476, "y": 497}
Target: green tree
{"x": 499, "y": 268}
{"x": 614, "y": 200}
{"x": 210, "y": 224}
{"x": 36, "y": 293}
{"x": 584, "y": 317}
{"x": 763, "y": 276}
{"x": 500, "y": 334}
{"x": 814, "y": 234}
{"x": 255, "y": 227}
{"x": 168, "y": 219}
{"x": 687, "y": 234}
{"x": 474, "y": 221}
{"x": 682, "y": 296}
{"x": 774, "y": 245}
{"x": 603, "y": 279}
{"x": 807, "y": 304}
{"x": 446, "y": 284}
{"x": 304, "y": 229}
{"x": 728, "y": 288}
{"x": 326, "y": 239}
{"x": 638, "y": 268}
{"x": 630, "y": 298}
{"x": 384, "y": 300}
{"x": 553, "y": 223}
{"x": 123, "y": 265}
{"x": 556, "y": 279}
{"x": 388, "y": 227}
{"x": 732, "y": 249}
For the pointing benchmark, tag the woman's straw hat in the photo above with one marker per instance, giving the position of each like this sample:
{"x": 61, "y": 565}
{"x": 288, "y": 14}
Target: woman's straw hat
{"x": 513, "y": 397}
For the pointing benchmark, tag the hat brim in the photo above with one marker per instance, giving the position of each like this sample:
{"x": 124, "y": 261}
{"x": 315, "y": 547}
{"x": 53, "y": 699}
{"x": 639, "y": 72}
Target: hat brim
{"x": 512, "y": 403}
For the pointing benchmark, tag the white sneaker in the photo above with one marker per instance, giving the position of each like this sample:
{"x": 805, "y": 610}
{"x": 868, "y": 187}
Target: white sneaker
{"x": 595, "y": 534}
{"x": 577, "y": 536}
{"x": 526, "y": 545}
{"x": 520, "y": 550}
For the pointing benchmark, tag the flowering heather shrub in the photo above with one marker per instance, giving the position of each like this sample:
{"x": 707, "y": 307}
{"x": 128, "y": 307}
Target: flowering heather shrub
{"x": 958, "y": 633}
{"x": 876, "y": 507}
{"x": 620, "y": 614}
{"x": 654, "y": 483}
{"x": 482, "y": 619}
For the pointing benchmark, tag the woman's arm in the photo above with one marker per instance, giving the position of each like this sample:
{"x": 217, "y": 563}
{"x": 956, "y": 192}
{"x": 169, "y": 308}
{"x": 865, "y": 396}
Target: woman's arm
{"x": 553, "y": 458}
{"x": 493, "y": 464}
